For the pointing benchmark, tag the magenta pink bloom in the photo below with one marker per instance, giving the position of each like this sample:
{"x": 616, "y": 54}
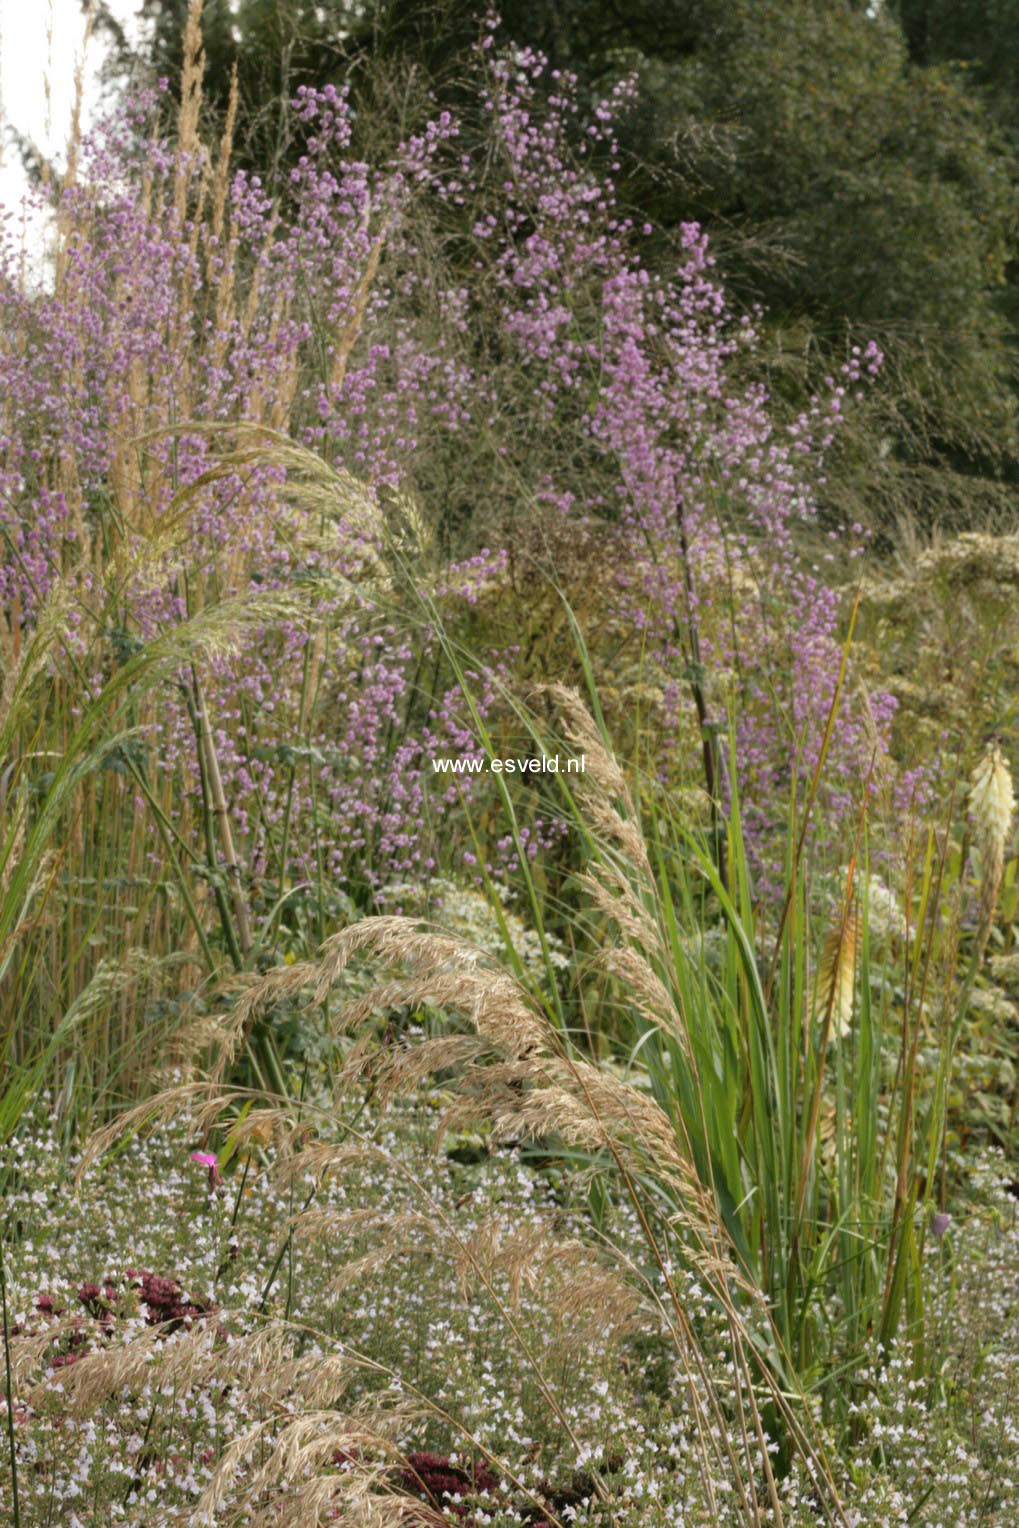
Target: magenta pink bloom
{"x": 211, "y": 1161}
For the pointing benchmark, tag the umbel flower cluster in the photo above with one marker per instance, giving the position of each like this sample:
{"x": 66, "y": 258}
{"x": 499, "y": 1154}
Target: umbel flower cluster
{"x": 189, "y": 310}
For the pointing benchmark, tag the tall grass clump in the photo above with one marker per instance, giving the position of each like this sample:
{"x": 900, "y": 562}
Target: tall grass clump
{"x": 40, "y": 809}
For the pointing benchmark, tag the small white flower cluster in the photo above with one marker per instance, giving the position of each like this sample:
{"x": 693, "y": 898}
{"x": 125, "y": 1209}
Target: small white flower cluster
{"x": 468, "y": 913}
{"x": 885, "y": 918}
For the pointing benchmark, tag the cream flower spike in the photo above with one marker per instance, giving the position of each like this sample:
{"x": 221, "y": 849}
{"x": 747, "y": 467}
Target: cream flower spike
{"x": 835, "y": 986}
{"x": 991, "y": 805}
{"x": 991, "y": 801}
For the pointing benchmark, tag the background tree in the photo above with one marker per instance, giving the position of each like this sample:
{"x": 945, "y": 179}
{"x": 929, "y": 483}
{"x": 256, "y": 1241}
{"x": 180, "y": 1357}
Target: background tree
{"x": 981, "y": 37}
{"x": 979, "y": 41}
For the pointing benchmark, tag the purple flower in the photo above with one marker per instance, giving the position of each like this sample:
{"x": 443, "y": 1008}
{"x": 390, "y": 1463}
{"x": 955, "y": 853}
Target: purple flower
{"x": 940, "y": 1224}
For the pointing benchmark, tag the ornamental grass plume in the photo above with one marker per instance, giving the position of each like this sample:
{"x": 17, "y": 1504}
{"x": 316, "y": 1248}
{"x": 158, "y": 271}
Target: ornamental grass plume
{"x": 836, "y": 977}
{"x": 991, "y": 807}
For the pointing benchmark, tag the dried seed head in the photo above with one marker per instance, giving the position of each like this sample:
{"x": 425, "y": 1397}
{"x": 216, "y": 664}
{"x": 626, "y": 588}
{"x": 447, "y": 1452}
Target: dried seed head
{"x": 836, "y": 977}
{"x": 991, "y": 801}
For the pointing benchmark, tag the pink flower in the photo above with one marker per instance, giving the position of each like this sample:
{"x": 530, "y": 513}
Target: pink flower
{"x": 210, "y": 1160}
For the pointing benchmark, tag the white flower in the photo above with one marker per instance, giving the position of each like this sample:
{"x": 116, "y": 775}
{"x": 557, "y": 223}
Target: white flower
{"x": 885, "y": 919}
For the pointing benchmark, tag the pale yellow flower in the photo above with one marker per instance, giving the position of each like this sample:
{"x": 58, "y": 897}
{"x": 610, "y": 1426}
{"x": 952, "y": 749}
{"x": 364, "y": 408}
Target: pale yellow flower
{"x": 991, "y": 802}
{"x": 991, "y": 805}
